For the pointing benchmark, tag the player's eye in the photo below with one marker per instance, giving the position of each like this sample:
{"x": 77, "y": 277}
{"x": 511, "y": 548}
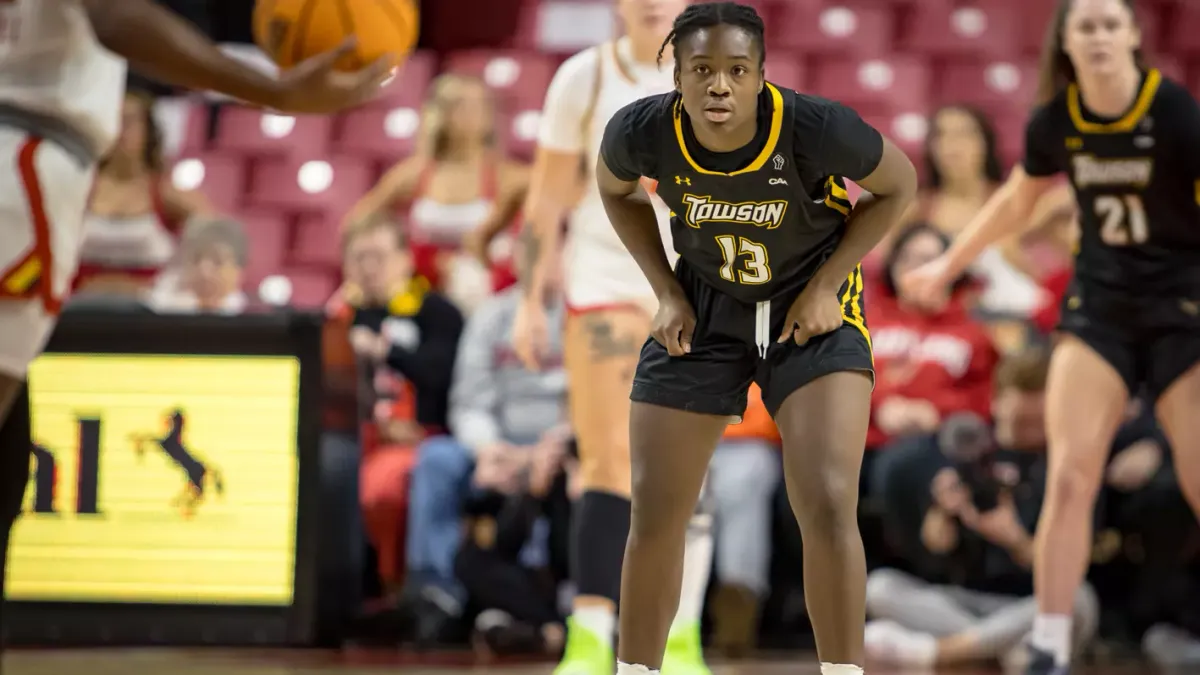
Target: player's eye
{"x": 701, "y": 69}
{"x": 738, "y": 71}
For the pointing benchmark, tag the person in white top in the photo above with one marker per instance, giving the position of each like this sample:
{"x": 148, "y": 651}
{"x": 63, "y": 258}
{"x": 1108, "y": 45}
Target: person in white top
{"x": 610, "y": 307}
{"x": 62, "y": 82}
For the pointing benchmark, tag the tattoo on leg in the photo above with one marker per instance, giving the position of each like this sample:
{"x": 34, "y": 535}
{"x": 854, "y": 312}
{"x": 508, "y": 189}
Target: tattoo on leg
{"x": 604, "y": 343}
{"x": 531, "y": 250}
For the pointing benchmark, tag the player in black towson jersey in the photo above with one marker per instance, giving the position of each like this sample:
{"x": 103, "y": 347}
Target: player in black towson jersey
{"x": 1129, "y": 141}
{"x": 768, "y": 288}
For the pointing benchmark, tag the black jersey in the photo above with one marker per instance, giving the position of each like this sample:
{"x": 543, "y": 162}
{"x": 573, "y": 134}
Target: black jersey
{"x": 757, "y": 222}
{"x": 1137, "y": 182}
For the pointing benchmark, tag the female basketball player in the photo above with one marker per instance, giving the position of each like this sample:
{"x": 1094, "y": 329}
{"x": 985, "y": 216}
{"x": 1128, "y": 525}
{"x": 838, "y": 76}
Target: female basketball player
{"x": 768, "y": 288}
{"x": 1129, "y": 140}
{"x": 610, "y": 308}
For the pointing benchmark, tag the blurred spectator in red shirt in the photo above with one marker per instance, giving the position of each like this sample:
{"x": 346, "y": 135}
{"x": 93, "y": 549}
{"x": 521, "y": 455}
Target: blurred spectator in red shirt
{"x": 930, "y": 362}
{"x": 405, "y": 338}
{"x": 456, "y": 189}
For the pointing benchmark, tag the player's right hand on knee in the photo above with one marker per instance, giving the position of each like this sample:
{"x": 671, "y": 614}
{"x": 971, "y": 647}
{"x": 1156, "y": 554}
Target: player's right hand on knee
{"x": 929, "y": 284}
{"x": 674, "y": 324}
{"x": 530, "y": 333}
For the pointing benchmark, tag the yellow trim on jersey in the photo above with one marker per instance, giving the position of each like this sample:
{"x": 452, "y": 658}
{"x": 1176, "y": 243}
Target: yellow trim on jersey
{"x": 834, "y": 195}
{"x": 22, "y": 279}
{"x": 1198, "y": 192}
{"x": 1124, "y": 125}
{"x": 852, "y": 306}
{"x": 767, "y": 151}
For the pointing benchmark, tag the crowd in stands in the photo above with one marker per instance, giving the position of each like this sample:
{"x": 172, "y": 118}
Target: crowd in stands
{"x": 454, "y": 463}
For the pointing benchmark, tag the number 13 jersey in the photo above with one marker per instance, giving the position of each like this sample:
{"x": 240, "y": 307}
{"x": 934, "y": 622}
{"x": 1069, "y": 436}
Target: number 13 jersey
{"x": 1137, "y": 184}
{"x": 757, "y": 222}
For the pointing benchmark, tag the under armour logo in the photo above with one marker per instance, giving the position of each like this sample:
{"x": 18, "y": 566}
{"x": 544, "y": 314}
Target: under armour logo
{"x": 777, "y": 181}
{"x": 778, "y": 161}
{"x": 683, "y": 180}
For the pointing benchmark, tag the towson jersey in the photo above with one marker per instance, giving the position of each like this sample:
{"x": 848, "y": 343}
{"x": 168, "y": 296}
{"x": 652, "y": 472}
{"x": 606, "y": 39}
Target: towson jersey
{"x": 1137, "y": 182}
{"x": 755, "y": 223}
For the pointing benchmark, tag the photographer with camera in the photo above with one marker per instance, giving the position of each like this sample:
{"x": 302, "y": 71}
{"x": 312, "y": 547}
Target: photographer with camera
{"x": 965, "y": 503}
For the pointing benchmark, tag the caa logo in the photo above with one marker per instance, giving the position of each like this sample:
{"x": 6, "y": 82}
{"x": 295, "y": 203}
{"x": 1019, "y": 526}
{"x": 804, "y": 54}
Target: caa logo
{"x": 777, "y": 181}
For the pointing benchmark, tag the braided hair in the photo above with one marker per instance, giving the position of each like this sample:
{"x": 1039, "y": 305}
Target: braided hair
{"x": 709, "y": 14}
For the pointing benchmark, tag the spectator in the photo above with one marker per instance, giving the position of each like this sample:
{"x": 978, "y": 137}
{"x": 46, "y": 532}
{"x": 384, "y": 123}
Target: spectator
{"x": 971, "y": 526}
{"x": 500, "y": 415}
{"x": 212, "y": 256}
{"x": 405, "y": 338}
{"x": 135, "y": 214}
{"x": 930, "y": 362}
{"x": 457, "y": 185}
{"x": 514, "y": 561}
{"x": 742, "y": 477}
{"x": 963, "y": 170}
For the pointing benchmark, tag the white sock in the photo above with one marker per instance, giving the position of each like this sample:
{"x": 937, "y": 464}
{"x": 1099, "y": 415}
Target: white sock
{"x": 697, "y": 564}
{"x": 840, "y": 669}
{"x": 598, "y": 620}
{"x": 634, "y": 669}
{"x": 1052, "y": 634}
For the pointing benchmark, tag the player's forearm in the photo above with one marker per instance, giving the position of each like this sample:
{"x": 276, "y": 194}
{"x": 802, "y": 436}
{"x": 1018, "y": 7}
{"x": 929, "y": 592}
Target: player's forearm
{"x": 870, "y": 220}
{"x": 539, "y": 244}
{"x": 1003, "y": 215}
{"x": 637, "y": 226}
{"x": 164, "y": 46}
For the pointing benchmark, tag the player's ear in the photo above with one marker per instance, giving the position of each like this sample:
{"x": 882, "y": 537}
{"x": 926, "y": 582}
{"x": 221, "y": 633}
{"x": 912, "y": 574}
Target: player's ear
{"x": 675, "y": 77}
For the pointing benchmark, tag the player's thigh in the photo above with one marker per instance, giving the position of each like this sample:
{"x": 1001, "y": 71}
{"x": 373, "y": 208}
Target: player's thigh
{"x": 25, "y": 328}
{"x": 820, "y": 396}
{"x": 1175, "y": 378}
{"x": 1086, "y": 398}
{"x": 601, "y": 353}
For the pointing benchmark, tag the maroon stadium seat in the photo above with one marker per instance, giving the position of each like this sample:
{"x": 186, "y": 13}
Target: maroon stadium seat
{"x": 254, "y": 132}
{"x": 978, "y": 29}
{"x": 836, "y": 29}
{"x": 379, "y": 134}
{"x": 222, "y": 178}
{"x": 519, "y": 78}
{"x": 875, "y": 86}
{"x": 324, "y": 185}
{"x": 317, "y": 242}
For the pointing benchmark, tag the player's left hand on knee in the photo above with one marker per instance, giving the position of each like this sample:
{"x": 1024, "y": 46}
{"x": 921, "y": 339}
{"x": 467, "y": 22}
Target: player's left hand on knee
{"x": 813, "y": 313}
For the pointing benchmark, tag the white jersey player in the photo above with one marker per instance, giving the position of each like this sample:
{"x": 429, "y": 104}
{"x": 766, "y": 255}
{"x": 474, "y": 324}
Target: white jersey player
{"x": 62, "y": 80}
{"x": 611, "y": 306}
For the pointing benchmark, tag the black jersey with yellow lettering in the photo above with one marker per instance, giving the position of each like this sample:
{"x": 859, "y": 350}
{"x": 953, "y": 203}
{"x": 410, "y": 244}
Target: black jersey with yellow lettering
{"x": 1137, "y": 183}
{"x": 757, "y": 222}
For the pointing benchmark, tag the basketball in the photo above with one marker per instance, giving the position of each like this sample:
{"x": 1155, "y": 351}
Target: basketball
{"x": 290, "y": 31}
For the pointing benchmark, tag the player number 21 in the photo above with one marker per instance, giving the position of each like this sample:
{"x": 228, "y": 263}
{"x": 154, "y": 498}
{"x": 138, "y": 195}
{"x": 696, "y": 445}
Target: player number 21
{"x": 1123, "y": 220}
{"x": 754, "y": 270}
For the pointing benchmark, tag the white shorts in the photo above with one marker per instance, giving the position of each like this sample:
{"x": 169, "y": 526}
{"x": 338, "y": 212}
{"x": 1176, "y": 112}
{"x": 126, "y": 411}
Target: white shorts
{"x": 43, "y": 195}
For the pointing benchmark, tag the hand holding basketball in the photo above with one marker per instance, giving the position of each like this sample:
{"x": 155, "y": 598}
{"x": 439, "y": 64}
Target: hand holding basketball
{"x": 316, "y": 87}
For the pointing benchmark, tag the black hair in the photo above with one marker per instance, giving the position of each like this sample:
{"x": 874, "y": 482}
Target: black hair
{"x": 1056, "y": 69}
{"x": 991, "y": 156}
{"x": 906, "y": 235}
{"x": 709, "y": 14}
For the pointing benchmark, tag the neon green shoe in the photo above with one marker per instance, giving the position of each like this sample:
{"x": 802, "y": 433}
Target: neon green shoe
{"x": 586, "y": 653}
{"x": 684, "y": 655}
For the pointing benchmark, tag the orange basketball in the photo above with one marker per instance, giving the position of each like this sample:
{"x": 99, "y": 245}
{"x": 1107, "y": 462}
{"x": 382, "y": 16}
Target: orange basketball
{"x": 290, "y": 31}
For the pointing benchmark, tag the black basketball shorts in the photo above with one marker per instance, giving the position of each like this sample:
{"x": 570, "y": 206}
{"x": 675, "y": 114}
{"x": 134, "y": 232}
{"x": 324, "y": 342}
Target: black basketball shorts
{"x": 1151, "y": 340}
{"x": 736, "y": 343}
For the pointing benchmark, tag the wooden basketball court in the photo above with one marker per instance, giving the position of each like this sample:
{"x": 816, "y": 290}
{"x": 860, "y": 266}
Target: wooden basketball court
{"x": 250, "y": 662}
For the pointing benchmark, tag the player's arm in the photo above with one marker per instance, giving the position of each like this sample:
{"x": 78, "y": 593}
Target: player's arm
{"x": 556, "y": 179}
{"x": 1010, "y": 210}
{"x": 618, "y": 171}
{"x": 853, "y": 149}
{"x": 164, "y": 46}
{"x": 514, "y": 189}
